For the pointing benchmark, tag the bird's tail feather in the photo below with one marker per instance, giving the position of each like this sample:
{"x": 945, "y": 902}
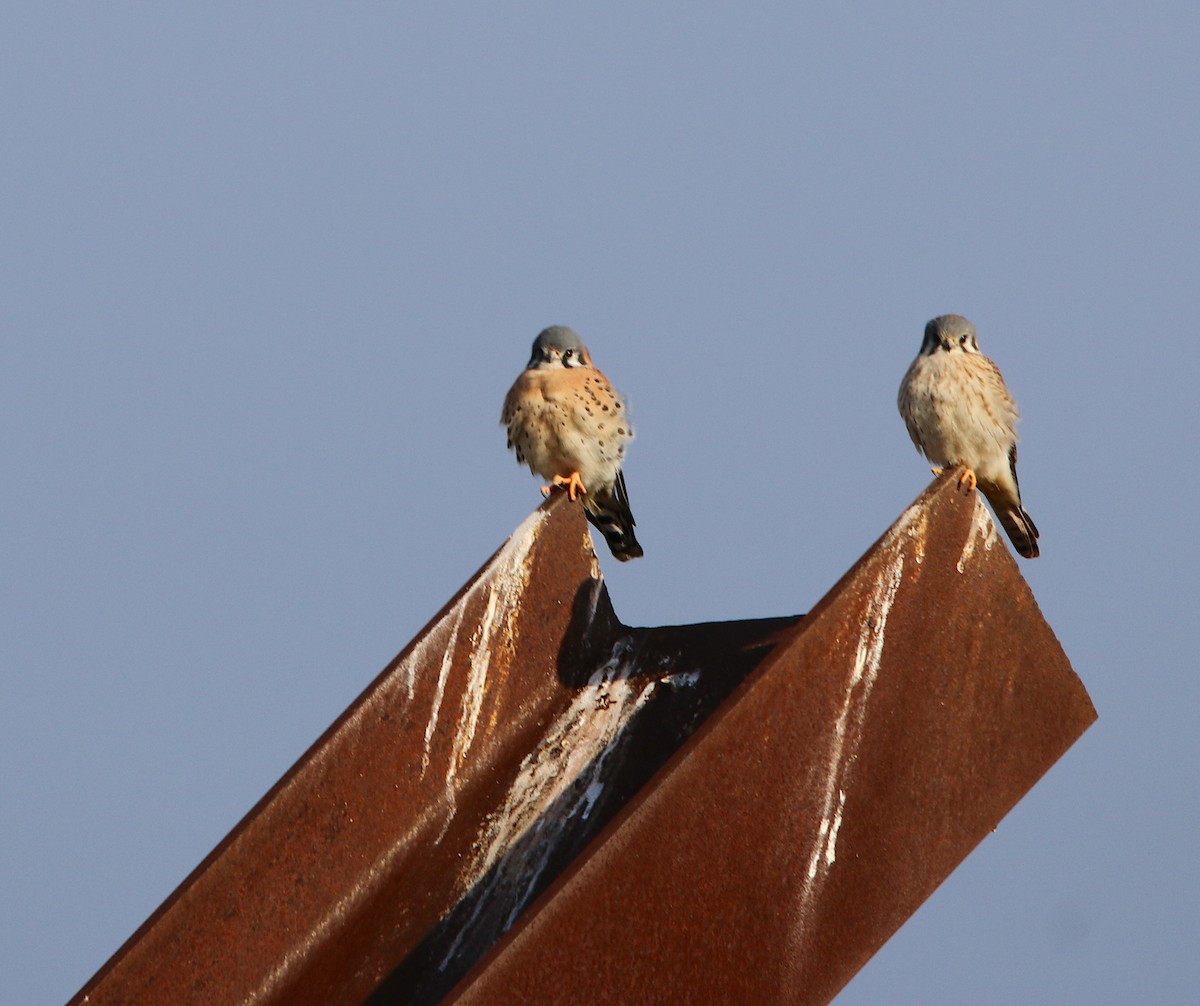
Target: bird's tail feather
{"x": 609, "y": 512}
{"x": 1017, "y": 524}
{"x": 1021, "y": 530}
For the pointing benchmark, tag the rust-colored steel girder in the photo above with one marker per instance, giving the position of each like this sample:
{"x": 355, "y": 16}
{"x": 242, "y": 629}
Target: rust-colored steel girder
{"x": 873, "y": 744}
{"x": 870, "y": 752}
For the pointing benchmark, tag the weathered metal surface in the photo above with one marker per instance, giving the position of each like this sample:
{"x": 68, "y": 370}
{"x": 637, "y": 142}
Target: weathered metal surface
{"x": 408, "y": 838}
{"x": 804, "y": 822}
{"x": 870, "y": 747}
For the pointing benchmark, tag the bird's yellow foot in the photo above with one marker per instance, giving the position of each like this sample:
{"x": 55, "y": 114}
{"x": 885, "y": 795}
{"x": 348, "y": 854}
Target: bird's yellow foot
{"x": 967, "y": 480}
{"x": 938, "y": 471}
{"x": 573, "y": 484}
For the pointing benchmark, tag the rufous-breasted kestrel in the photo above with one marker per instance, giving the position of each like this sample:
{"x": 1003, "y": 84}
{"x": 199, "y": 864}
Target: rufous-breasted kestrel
{"x": 959, "y": 411}
{"x": 568, "y": 423}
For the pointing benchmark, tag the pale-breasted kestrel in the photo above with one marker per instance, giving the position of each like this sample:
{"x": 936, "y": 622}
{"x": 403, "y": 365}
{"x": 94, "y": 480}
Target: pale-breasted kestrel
{"x": 568, "y": 423}
{"x": 959, "y": 412}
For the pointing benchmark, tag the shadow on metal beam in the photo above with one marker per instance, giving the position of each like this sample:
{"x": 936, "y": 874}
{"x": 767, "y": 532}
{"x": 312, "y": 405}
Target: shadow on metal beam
{"x": 855, "y": 757}
{"x": 641, "y": 692}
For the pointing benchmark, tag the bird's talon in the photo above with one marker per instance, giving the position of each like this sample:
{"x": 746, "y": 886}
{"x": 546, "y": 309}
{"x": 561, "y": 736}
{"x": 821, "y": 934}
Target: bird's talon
{"x": 967, "y": 480}
{"x": 573, "y": 484}
{"x": 546, "y": 490}
{"x": 938, "y": 471}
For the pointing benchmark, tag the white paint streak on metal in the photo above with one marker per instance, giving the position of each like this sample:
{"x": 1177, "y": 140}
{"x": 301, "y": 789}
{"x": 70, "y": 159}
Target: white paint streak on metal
{"x": 685, "y": 679}
{"x": 914, "y": 524}
{"x": 505, "y": 585}
{"x": 589, "y": 799}
{"x": 558, "y": 783}
{"x": 440, "y": 690}
{"x": 476, "y": 686}
{"x": 596, "y": 591}
{"x": 983, "y": 531}
{"x": 847, "y": 734}
{"x": 832, "y": 832}
{"x": 407, "y": 671}
{"x": 578, "y": 740}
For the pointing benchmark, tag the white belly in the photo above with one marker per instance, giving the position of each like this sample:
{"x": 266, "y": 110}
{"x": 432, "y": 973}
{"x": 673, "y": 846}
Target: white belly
{"x": 952, "y": 419}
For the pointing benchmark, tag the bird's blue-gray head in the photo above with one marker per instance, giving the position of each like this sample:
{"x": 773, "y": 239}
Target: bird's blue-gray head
{"x": 558, "y": 346}
{"x": 949, "y": 333}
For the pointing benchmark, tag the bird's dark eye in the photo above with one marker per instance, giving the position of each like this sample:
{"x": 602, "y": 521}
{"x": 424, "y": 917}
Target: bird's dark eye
{"x": 962, "y": 341}
{"x": 570, "y": 353}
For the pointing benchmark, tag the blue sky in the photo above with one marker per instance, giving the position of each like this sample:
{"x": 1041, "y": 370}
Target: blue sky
{"x": 269, "y": 270}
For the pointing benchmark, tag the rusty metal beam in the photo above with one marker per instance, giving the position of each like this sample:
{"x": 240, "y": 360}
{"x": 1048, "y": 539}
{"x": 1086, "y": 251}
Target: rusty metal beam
{"x": 796, "y": 831}
{"x": 401, "y": 845}
{"x": 524, "y": 717}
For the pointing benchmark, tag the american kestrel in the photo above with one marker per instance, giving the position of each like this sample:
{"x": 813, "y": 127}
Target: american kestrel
{"x": 959, "y": 412}
{"x": 569, "y": 424}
